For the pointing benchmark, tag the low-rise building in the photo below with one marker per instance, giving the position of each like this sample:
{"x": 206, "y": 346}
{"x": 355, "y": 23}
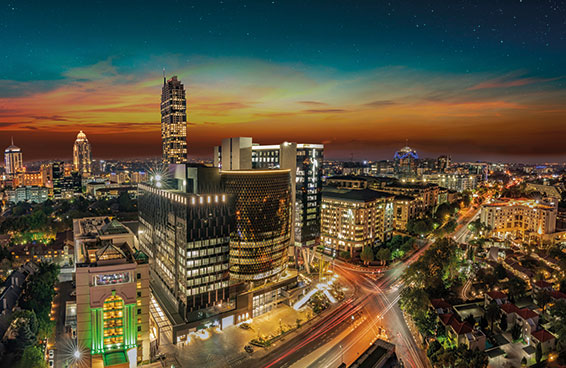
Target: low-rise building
{"x": 31, "y": 194}
{"x": 519, "y": 217}
{"x": 112, "y": 293}
{"x": 546, "y": 340}
{"x": 498, "y": 297}
{"x": 462, "y": 333}
{"x": 352, "y": 219}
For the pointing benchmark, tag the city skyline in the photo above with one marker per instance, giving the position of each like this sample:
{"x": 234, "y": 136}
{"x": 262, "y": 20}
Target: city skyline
{"x": 446, "y": 79}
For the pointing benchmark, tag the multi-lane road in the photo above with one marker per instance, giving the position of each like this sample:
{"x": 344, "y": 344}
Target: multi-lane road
{"x": 346, "y": 332}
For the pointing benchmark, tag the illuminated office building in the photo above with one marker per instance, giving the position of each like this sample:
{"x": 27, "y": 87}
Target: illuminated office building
{"x": 82, "y": 158}
{"x": 260, "y": 241}
{"x": 112, "y": 287}
{"x": 13, "y": 159}
{"x": 352, "y": 219}
{"x": 185, "y": 226}
{"x": 519, "y": 217}
{"x": 305, "y": 164}
{"x": 173, "y": 122}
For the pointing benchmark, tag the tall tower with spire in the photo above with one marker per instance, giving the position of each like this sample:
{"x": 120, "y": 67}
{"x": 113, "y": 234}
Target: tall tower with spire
{"x": 13, "y": 159}
{"x": 82, "y": 157}
{"x": 173, "y": 121}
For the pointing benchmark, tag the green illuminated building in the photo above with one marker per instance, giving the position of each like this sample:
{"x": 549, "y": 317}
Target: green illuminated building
{"x": 112, "y": 294}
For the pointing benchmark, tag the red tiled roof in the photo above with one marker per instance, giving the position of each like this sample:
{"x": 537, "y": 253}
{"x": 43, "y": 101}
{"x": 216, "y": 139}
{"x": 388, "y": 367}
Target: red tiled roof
{"x": 557, "y": 294}
{"x": 446, "y": 318}
{"x": 496, "y": 294}
{"x": 460, "y": 327}
{"x": 526, "y": 313}
{"x": 542, "y": 284}
{"x": 440, "y": 303}
{"x": 509, "y": 308}
{"x": 542, "y": 335}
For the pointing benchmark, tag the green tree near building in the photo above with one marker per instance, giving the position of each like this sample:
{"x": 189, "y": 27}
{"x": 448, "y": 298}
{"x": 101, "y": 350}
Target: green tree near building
{"x": 383, "y": 255}
{"x": 32, "y": 357}
{"x": 503, "y": 322}
{"x": 367, "y": 255}
{"x": 538, "y": 353}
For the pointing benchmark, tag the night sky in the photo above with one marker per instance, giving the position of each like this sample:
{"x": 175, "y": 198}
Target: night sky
{"x": 479, "y": 80}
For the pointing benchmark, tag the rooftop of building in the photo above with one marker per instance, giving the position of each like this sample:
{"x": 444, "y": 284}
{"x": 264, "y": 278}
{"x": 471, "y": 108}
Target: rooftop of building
{"x": 362, "y": 195}
{"x": 517, "y": 202}
{"x": 92, "y": 227}
{"x": 542, "y": 335}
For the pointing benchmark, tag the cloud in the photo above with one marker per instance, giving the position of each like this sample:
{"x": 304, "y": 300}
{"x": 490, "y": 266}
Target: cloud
{"x": 380, "y": 103}
{"x": 508, "y": 82}
{"x": 324, "y": 111}
{"x": 315, "y": 103}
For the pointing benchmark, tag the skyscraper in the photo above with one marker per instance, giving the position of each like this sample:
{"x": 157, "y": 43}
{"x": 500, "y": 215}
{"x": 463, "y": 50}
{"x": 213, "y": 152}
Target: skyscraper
{"x": 13, "y": 159}
{"x": 82, "y": 155}
{"x": 405, "y": 161}
{"x": 173, "y": 122}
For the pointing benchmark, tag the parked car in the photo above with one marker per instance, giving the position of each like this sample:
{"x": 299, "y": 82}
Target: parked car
{"x": 51, "y": 363}
{"x": 249, "y": 349}
{"x": 51, "y": 354}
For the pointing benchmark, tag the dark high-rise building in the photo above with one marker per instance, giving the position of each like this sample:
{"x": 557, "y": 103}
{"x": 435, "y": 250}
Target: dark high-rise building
{"x": 185, "y": 226}
{"x": 173, "y": 122}
{"x": 443, "y": 162}
{"x": 260, "y": 241}
{"x": 405, "y": 161}
{"x": 57, "y": 177}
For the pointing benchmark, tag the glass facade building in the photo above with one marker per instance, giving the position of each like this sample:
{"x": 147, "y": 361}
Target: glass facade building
{"x": 173, "y": 122}
{"x": 260, "y": 241}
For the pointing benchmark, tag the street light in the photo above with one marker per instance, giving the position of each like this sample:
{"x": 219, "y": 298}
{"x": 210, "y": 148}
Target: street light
{"x": 77, "y": 354}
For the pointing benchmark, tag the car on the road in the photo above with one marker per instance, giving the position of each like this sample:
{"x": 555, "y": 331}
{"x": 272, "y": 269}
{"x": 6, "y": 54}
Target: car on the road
{"x": 249, "y": 349}
{"x": 51, "y": 354}
{"x": 51, "y": 363}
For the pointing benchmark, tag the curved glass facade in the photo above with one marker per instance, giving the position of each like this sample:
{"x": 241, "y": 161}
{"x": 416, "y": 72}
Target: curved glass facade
{"x": 259, "y": 244}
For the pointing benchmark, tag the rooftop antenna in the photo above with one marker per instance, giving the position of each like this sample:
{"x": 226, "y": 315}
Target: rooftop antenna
{"x": 12, "y": 140}
{"x": 164, "y": 79}
{"x": 406, "y": 142}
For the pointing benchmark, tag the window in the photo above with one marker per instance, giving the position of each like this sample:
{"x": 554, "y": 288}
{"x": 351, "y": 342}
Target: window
{"x": 139, "y": 310}
{"x": 139, "y": 276}
{"x": 139, "y": 328}
{"x": 139, "y": 294}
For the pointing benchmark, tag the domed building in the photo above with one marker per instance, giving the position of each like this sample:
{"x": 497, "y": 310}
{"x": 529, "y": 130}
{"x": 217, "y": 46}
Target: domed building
{"x": 82, "y": 160}
{"x": 13, "y": 159}
{"x": 405, "y": 161}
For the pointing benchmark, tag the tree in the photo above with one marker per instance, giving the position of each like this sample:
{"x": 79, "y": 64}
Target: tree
{"x": 538, "y": 353}
{"x": 500, "y": 272}
{"x": 483, "y": 323}
{"x": 426, "y": 323}
{"x": 345, "y": 255}
{"x": 543, "y": 298}
{"x": 383, "y": 255}
{"x": 503, "y": 322}
{"x": 492, "y": 313}
{"x": 32, "y": 358}
{"x": 25, "y": 337}
{"x": 470, "y": 319}
{"x": 516, "y": 332}
{"x": 414, "y": 301}
{"x": 517, "y": 288}
{"x": 557, "y": 317}
{"x": 367, "y": 255}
